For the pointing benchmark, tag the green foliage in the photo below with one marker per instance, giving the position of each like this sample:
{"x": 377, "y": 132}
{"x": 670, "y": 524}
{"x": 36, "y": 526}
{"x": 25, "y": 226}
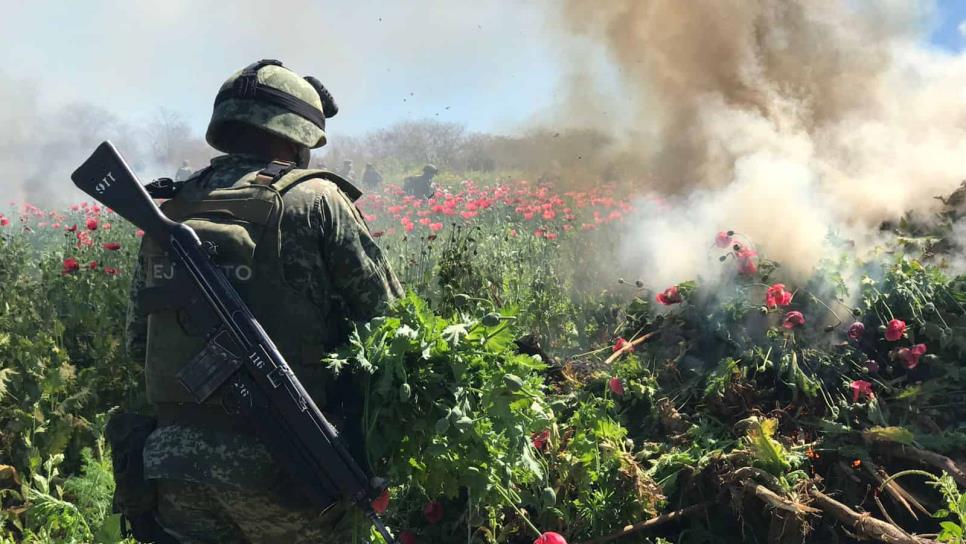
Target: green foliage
{"x": 510, "y": 443}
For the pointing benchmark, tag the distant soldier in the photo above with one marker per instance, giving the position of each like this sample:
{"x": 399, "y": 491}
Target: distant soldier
{"x": 370, "y": 177}
{"x": 346, "y": 171}
{"x": 184, "y": 172}
{"x": 421, "y": 186}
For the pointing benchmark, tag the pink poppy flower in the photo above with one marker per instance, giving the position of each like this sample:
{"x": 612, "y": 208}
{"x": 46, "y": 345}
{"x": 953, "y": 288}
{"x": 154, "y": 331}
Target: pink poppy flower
{"x": 793, "y": 319}
{"x": 861, "y": 388}
{"x": 669, "y": 296}
{"x": 895, "y": 329}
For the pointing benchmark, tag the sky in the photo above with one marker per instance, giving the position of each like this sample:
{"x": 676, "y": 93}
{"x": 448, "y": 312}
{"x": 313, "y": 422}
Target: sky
{"x": 490, "y": 65}
{"x": 482, "y": 63}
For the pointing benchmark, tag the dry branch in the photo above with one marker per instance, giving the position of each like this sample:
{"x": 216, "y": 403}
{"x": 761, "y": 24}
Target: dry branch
{"x": 931, "y": 458}
{"x": 653, "y": 522}
{"x": 865, "y": 523}
{"x": 629, "y": 346}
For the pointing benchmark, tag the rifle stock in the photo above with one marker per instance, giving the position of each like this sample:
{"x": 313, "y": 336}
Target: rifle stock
{"x": 103, "y": 176}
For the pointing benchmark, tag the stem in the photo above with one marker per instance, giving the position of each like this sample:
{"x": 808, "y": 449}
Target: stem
{"x": 911, "y": 472}
{"x": 499, "y": 489}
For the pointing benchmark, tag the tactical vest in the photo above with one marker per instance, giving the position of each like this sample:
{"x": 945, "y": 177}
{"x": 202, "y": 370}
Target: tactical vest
{"x": 240, "y": 226}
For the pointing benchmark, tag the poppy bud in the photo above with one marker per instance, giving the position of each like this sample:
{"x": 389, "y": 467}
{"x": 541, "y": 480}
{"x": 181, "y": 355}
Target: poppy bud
{"x": 620, "y": 281}
{"x": 829, "y": 328}
{"x": 929, "y": 307}
{"x": 731, "y": 233}
{"x": 737, "y": 247}
{"x": 722, "y": 258}
{"x": 856, "y": 312}
{"x": 639, "y": 283}
{"x": 765, "y": 278}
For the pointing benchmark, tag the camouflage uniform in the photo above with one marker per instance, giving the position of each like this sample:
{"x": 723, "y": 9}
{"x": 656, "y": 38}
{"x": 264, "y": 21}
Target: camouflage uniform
{"x": 184, "y": 172}
{"x": 371, "y": 177}
{"x": 421, "y": 186}
{"x": 221, "y": 484}
{"x": 347, "y": 171}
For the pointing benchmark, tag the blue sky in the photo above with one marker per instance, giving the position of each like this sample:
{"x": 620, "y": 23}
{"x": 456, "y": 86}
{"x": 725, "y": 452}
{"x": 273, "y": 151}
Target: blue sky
{"x": 490, "y": 65}
{"x": 950, "y": 15}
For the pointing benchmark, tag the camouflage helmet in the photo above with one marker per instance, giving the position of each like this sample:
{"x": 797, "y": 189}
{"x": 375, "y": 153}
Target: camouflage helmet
{"x": 270, "y": 97}
{"x": 430, "y": 169}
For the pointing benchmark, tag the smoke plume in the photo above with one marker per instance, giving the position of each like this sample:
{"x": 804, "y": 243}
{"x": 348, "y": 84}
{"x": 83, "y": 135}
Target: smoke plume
{"x": 781, "y": 119}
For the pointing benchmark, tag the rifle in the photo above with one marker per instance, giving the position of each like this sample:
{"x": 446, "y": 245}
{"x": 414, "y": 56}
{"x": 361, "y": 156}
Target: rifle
{"x": 239, "y": 355}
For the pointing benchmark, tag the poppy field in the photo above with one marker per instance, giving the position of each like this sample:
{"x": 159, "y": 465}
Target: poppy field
{"x": 523, "y": 392}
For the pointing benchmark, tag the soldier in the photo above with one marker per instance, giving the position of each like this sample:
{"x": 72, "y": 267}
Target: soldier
{"x": 371, "y": 178}
{"x": 301, "y": 256}
{"x": 184, "y": 172}
{"x": 346, "y": 171}
{"x": 421, "y": 186}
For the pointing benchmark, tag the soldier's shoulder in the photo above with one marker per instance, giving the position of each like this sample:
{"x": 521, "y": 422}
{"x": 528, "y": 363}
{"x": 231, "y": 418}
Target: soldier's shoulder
{"x": 312, "y": 183}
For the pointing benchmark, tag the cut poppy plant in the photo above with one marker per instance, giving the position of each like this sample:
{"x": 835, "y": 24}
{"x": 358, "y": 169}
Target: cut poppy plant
{"x": 539, "y": 439}
{"x": 777, "y": 296}
{"x": 746, "y": 261}
{"x": 669, "y": 296}
{"x": 861, "y": 388}
{"x": 895, "y": 329}
{"x": 910, "y": 356}
{"x": 381, "y": 503}
{"x": 793, "y": 319}
{"x": 616, "y": 386}
{"x": 856, "y": 330}
{"x": 433, "y": 512}
{"x": 622, "y": 345}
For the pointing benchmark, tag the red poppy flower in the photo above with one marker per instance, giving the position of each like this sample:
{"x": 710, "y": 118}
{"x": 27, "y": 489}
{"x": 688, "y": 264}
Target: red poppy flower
{"x": 84, "y": 239}
{"x": 872, "y": 366}
{"x": 895, "y": 329}
{"x": 550, "y": 537}
{"x": 71, "y": 265}
{"x": 777, "y": 296}
{"x": 621, "y": 344}
{"x": 722, "y": 239}
{"x": 72, "y": 228}
{"x": 92, "y": 265}
{"x": 139, "y": 233}
{"x": 91, "y": 223}
{"x": 110, "y": 271}
{"x": 381, "y": 502}
{"x": 616, "y": 386}
{"x": 407, "y": 537}
{"x": 669, "y": 296}
{"x": 539, "y": 439}
{"x": 911, "y": 355}
{"x": 435, "y": 227}
{"x": 111, "y": 246}
{"x": 4, "y": 221}
{"x": 433, "y": 512}
{"x": 746, "y": 262}
{"x": 861, "y": 388}
{"x": 856, "y": 330}
{"x": 377, "y": 234}
{"x": 793, "y": 319}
